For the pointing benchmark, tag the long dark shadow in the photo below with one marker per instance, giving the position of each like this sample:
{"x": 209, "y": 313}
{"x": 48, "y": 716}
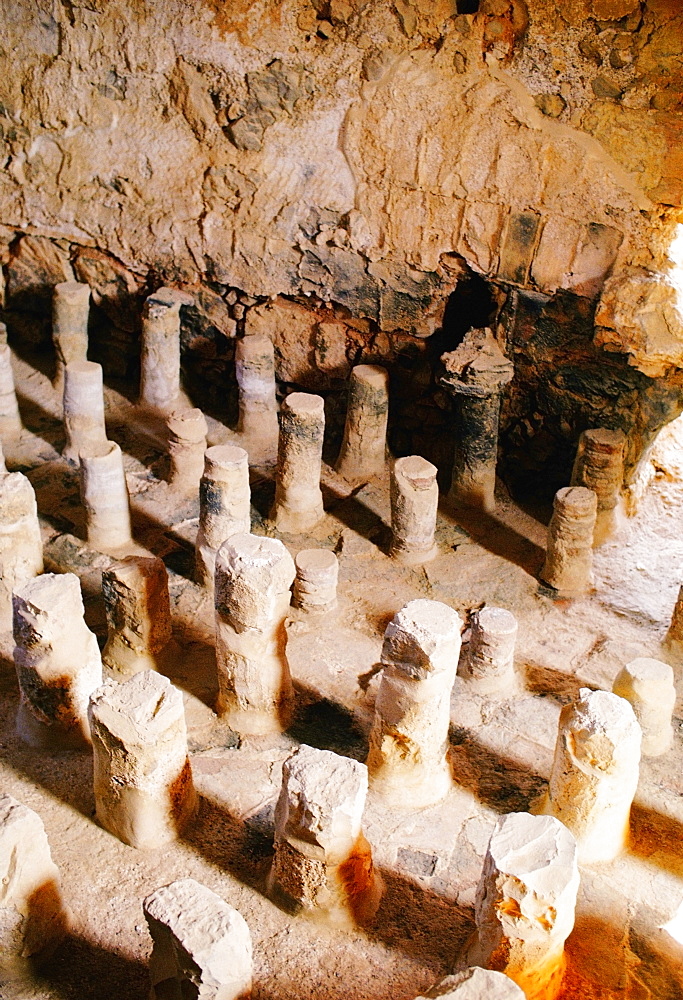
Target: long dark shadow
{"x": 499, "y": 782}
{"x": 496, "y": 537}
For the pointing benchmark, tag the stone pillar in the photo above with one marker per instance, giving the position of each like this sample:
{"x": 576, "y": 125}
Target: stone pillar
{"x": 674, "y": 637}
{"x": 253, "y": 580}
{"x": 525, "y": 903}
{"x": 489, "y": 666}
{"x": 10, "y": 420}
{"x": 202, "y": 947}
{"x": 568, "y": 563}
{"x": 138, "y": 612}
{"x": 160, "y": 354}
{"x": 257, "y": 422}
{"x": 83, "y": 410}
{"x": 70, "y": 307}
{"x": 363, "y": 449}
{"x": 648, "y": 686}
{"x": 57, "y": 660}
{"x": 104, "y": 495}
{"x": 298, "y": 498}
{"x": 476, "y": 373}
{"x": 186, "y": 430}
{"x": 407, "y": 758}
{"x": 475, "y": 984}
{"x": 414, "y": 500}
{"x": 323, "y": 863}
{"x": 33, "y": 919}
{"x": 21, "y": 547}
{"x": 599, "y": 466}
{"x": 144, "y": 793}
{"x": 595, "y": 773}
{"x": 224, "y": 505}
{"x": 315, "y": 587}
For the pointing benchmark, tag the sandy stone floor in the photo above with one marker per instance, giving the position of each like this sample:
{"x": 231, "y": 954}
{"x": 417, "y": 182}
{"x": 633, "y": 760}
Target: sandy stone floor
{"x": 501, "y": 750}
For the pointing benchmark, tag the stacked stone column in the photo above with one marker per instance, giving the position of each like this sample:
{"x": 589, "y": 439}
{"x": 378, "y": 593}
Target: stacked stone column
{"x": 160, "y": 355}
{"x": 70, "y": 309}
{"x": 648, "y": 686}
{"x": 315, "y": 587}
{"x": 104, "y": 495}
{"x": 21, "y": 547}
{"x": 137, "y": 606}
{"x": 568, "y": 565}
{"x": 83, "y": 410}
{"x": 186, "y": 430}
{"x": 258, "y": 413}
{"x": 363, "y": 449}
{"x": 414, "y": 495}
{"x": 298, "y": 498}
{"x": 10, "y": 420}
{"x": 489, "y": 666}
{"x": 224, "y": 505}
{"x": 599, "y": 467}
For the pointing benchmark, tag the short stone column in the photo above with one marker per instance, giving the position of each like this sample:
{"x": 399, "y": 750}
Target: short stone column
{"x": 257, "y": 421}
{"x": 253, "y": 580}
{"x": 298, "y": 498}
{"x": 70, "y": 309}
{"x": 648, "y": 686}
{"x": 476, "y": 373}
{"x": 568, "y": 566}
{"x": 33, "y": 919}
{"x": 21, "y": 547}
{"x": 315, "y": 587}
{"x": 474, "y": 984}
{"x": 10, "y": 420}
{"x": 104, "y": 495}
{"x": 144, "y": 793}
{"x": 137, "y": 606}
{"x": 201, "y": 946}
{"x": 599, "y": 466}
{"x": 409, "y": 738}
{"x": 595, "y": 773}
{"x": 323, "y": 863}
{"x": 414, "y": 495}
{"x": 83, "y": 410}
{"x": 160, "y": 353}
{"x": 57, "y": 660}
{"x": 224, "y": 505}
{"x": 186, "y": 430}
{"x": 525, "y": 903}
{"x": 363, "y": 450}
{"x": 489, "y": 666}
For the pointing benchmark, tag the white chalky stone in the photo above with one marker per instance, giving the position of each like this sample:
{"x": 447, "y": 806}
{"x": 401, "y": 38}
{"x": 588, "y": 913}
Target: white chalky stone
{"x": 648, "y": 686}
{"x": 474, "y": 984}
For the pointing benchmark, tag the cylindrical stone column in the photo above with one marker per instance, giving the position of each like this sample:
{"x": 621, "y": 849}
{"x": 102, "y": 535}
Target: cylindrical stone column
{"x": 253, "y": 580}
{"x": 298, "y": 498}
{"x": 144, "y": 793}
{"x": 489, "y": 666}
{"x": 57, "y": 660}
{"x": 409, "y": 738}
{"x": 569, "y": 553}
{"x": 10, "y": 420}
{"x": 363, "y": 449}
{"x": 187, "y": 432}
{"x": 104, "y": 495}
{"x": 474, "y": 984}
{"x": 648, "y": 686}
{"x": 595, "y": 773}
{"x": 526, "y": 902}
{"x": 315, "y": 587}
{"x": 414, "y": 500}
{"x": 599, "y": 466}
{"x": 137, "y": 606}
{"x": 160, "y": 354}
{"x": 224, "y": 505}
{"x": 70, "y": 308}
{"x": 257, "y": 421}
{"x": 21, "y": 547}
{"x": 83, "y": 410}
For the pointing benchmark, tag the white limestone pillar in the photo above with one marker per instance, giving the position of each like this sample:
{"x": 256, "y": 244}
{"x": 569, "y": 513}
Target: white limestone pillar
{"x": 407, "y": 757}
{"x": 201, "y": 946}
{"x": 568, "y": 563}
{"x": 363, "y": 450}
{"x": 489, "y": 666}
{"x": 83, "y": 410}
{"x": 57, "y": 660}
{"x": 187, "y": 430}
{"x": 10, "y": 420}
{"x": 258, "y": 421}
{"x": 144, "y": 793}
{"x": 475, "y": 984}
{"x": 315, "y": 587}
{"x": 70, "y": 308}
{"x": 599, "y": 466}
{"x": 648, "y": 686}
{"x": 104, "y": 495}
{"x": 298, "y": 498}
{"x": 21, "y": 547}
{"x": 137, "y": 606}
{"x": 224, "y": 505}
{"x": 414, "y": 501}
{"x": 160, "y": 351}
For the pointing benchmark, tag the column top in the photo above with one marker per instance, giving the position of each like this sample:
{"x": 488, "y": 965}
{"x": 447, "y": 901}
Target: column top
{"x": 477, "y": 367}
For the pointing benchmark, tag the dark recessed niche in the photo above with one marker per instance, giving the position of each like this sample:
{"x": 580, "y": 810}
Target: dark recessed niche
{"x": 467, "y": 6}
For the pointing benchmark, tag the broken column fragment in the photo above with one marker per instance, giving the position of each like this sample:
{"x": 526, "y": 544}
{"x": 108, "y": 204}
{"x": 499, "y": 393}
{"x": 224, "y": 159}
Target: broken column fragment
{"x": 224, "y": 505}
{"x": 474, "y": 984}
{"x": 595, "y": 773}
{"x": 21, "y": 547}
{"x": 298, "y": 498}
{"x": 648, "y": 686}
{"x": 407, "y": 757}
{"x": 315, "y": 587}
{"x": 70, "y": 308}
{"x": 599, "y": 466}
{"x": 414, "y": 501}
{"x": 257, "y": 421}
{"x": 476, "y": 373}
{"x": 10, "y": 420}
{"x": 489, "y": 666}
{"x": 525, "y": 903}
{"x": 144, "y": 793}
{"x": 137, "y": 606}
{"x": 57, "y": 660}
{"x": 253, "y": 580}
{"x": 104, "y": 495}
{"x": 186, "y": 432}
{"x": 202, "y": 947}
{"x": 323, "y": 863}
{"x": 568, "y": 565}
{"x": 363, "y": 449}
{"x": 160, "y": 352}
{"x": 83, "y": 410}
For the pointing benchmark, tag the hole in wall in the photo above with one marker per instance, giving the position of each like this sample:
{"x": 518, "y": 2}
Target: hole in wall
{"x": 467, "y": 6}
{"x": 472, "y": 304}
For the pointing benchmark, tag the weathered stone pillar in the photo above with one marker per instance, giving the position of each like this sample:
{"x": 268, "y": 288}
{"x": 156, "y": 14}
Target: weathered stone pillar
{"x": 21, "y": 547}
{"x": 257, "y": 421}
{"x": 414, "y": 497}
{"x": 363, "y": 450}
{"x": 476, "y": 373}
{"x": 489, "y": 666}
{"x": 144, "y": 793}
{"x": 10, "y": 420}
{"x": 138, "y": 611}
{"x": 525, "y": 903}
{"x": 298, "y": 498}
{"x": 315, "y": 587}
{"x": 323, "y": 863}
{"x": 648, "y": 686}
{"x": 474, "y": 984}
{"x": 253, "y": 580}
{"x": 104, "y": 495}
{"x": 595, "y": 773}
{"x": 187, "y": 432}
{"x": 568, "y": 563}
{"x": 57, "y": 660}
{"x": 407, "y": 758}
{"x": 599, "y": 466}
{"x": 202, "y": 947}
{"x": 83, "y": 410}
{"x": 224, "y": 505}
{"x": 70, "y": 308}
{"x": 160, "y": 354}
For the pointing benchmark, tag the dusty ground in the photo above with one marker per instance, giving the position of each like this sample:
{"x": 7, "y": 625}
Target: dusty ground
{"x": 501, "y": 751}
